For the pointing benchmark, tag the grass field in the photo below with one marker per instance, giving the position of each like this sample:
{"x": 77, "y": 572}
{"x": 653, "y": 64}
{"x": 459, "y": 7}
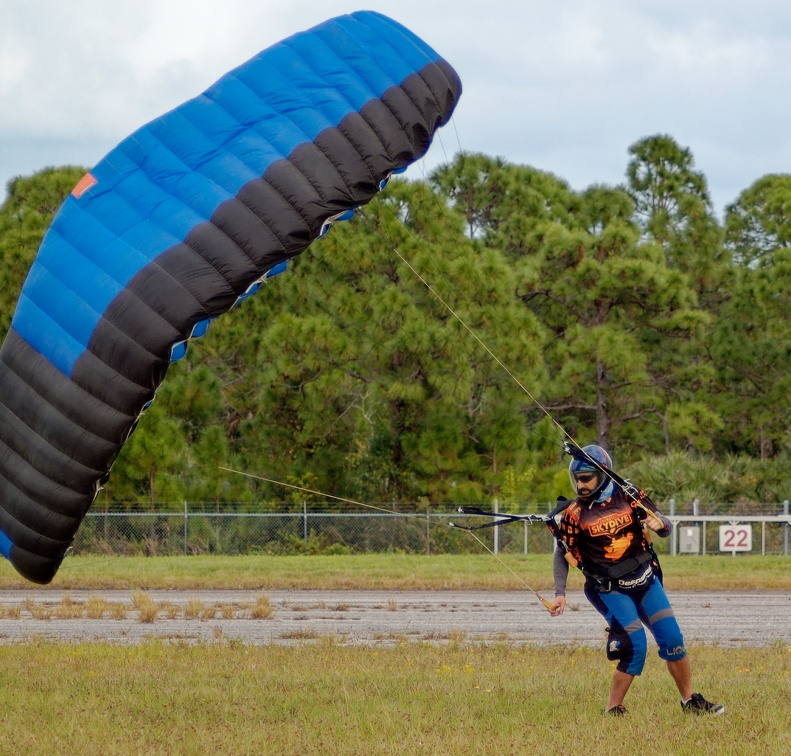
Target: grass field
{"x": 388, "y": 572}
{"x": 416, "y": 698}
{"x": 413, "y": 699}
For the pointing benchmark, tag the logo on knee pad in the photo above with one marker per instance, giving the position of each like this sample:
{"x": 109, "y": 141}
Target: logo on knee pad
{"x": 619, "y": 645}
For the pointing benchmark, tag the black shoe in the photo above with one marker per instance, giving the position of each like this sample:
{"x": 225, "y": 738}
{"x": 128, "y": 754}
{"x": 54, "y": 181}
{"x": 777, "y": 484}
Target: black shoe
{"x": 616, "y": 711}
{"x": 699, "y": 705}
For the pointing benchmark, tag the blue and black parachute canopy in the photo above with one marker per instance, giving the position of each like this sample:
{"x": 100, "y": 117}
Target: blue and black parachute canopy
{"x": 184, "y": 218}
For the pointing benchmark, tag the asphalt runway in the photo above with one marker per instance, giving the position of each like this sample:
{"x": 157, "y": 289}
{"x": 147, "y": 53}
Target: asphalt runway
{"x": 376, "y": 617}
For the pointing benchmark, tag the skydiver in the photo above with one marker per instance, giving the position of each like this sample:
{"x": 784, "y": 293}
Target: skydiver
{"x": 602, "y": 532}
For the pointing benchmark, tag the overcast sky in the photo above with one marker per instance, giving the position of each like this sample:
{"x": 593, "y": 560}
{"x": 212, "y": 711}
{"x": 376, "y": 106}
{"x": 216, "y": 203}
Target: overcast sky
{"x": 563, "y": 85}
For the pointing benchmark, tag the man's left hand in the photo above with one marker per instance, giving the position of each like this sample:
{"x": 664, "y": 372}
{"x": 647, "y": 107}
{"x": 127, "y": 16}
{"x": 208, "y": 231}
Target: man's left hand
{"x": 652, "y": 522}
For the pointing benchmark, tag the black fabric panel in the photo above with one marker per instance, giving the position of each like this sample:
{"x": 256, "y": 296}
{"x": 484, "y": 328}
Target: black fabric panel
{"x": 250, "y": 233}
{"x": 34, "y": 567}
{"x": 208, "y": 287}
{"x": 404, "y": 110}
{"x": 151, "y": 312}
{"x": 325, "y": 175}
{"x": 58, "y": 468}
{"x": 44, "y": 421}
{"x": 122, "y": 353}
{"x": 302, "y": 196}
{"x": 98, "y": 378}
{"x": 24, "y": 373}
{"x": 447, "y": 86}
{"x": 288, "y": 226}
{"x": 430, "y": 90}
{"x": 386, "y": 147}
{"x": 421, "y": 97}
{"x": 222, "y": 254}
{"x": 26, "y": 509}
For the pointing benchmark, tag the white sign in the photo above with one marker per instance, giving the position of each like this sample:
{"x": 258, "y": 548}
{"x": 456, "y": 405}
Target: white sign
{"x": 736, "y": 537}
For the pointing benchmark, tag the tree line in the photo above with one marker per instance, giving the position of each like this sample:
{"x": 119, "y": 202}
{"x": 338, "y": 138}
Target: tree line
{"x": 432, "y": 349}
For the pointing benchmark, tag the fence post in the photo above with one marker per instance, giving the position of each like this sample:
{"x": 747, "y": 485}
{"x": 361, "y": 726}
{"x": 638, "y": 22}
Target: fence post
{"x": 428, "y": 532}
{"x": 674, "y": 532}
{"x": 786, "y": 529}
{"x": 695, "y": 512}
{"x": 305, "y": 521}
{"x": 496, "y": 530}
{"x": 186, "y": 516}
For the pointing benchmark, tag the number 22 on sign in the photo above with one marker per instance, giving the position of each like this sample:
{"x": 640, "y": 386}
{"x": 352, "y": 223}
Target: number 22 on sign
{"x": 736, "y": 538}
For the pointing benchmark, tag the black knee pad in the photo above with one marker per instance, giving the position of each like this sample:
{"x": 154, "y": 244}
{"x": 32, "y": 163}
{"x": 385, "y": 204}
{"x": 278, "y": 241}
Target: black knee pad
{"x": 619, "y": 645}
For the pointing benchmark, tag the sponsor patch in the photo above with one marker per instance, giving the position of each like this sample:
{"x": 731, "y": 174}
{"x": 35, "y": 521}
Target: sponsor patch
{"x": 83, "y": 185}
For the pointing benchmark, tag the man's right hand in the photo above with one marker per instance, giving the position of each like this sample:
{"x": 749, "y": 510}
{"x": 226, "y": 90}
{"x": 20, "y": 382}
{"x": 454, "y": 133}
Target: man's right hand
{"x": 558, "y": 606}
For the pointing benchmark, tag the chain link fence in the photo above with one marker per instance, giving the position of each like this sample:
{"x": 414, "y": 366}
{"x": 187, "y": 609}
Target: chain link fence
{"x": 194, "y": 530}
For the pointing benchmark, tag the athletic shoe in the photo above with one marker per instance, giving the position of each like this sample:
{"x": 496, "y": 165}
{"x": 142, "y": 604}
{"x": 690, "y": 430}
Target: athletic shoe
{"x": 616, "y": 711}
{"x": 699, "y": 705}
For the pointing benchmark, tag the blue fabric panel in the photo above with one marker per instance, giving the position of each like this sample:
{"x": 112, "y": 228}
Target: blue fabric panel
{"x": 5, "y": 545}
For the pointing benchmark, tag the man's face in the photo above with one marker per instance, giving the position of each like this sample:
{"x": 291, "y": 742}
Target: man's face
{"x": 587, "y": 482}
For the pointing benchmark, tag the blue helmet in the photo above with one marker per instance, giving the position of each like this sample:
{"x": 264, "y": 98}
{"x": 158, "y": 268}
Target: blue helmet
{"x": 578, "y": 468}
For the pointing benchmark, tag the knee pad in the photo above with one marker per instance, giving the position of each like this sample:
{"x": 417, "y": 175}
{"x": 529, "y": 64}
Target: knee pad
{"x": 618, "y": 644}
{"x": 627, "y": 649}
{"x": 670, "y": 640}
{"x": 673, "y": 649}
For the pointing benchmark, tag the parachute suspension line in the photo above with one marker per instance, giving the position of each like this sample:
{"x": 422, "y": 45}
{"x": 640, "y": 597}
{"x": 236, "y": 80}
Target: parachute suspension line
{"x": 477, "y": 338}
{"x": 547, "y": 604}
{"x": 316, "y": 493}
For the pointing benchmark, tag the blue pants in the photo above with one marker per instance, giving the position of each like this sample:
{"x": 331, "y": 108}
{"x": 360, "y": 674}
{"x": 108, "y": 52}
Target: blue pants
{"x": 626, "y": 613}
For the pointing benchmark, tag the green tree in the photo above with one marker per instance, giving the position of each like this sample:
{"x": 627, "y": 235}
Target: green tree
{"x": 751, "y": 345}
{"x": 606, "y": 290}
{"x": 504, "y": 205}
{"x": 673, "y": 208}
{"x": 613, "y": 305}
{"x": 664, "y": 186}
{"x": 152, "y": 462}
{"x": 758, "y": 224}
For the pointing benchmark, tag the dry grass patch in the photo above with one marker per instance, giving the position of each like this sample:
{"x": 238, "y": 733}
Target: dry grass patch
{"x": 194, "y": 609}
{"x": 262, "y": 609}
{"x": 96, "y": 607}
{"x": 68, "y": 608}
{"x": 11, "y": 612}
{"x": 38, "y": 611}
{"x": 145, "y": 606}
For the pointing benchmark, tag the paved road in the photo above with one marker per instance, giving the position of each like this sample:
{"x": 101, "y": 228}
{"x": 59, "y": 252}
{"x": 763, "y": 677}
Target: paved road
{"x": 377, "y": 617}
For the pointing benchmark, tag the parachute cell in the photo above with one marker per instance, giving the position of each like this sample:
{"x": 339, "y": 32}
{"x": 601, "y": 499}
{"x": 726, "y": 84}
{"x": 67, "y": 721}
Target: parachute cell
{"x": 178, "y": 223}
